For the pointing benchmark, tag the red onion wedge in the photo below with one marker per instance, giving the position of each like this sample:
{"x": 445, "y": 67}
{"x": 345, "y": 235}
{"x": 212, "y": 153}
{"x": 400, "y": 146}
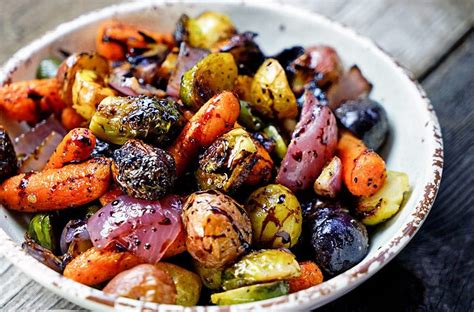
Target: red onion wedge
{"x": 145, "y": 228}
{"x": 351, "y": 86}
{"x": 312, "y": 145}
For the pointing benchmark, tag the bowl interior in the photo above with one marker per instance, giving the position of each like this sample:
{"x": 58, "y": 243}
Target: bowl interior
{"x": 412, "y": 141}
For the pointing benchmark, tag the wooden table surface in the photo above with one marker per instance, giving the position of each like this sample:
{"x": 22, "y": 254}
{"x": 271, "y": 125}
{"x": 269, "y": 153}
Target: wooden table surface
{"x": 432, "y": 38}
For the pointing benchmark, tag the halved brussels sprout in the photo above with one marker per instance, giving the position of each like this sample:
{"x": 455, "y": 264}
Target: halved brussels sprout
{"x": 75, "y": 62}
{"x": 213, "y": 74}
{"x": 251, "y": 293}
{"x": 271, "y": 94}
{"x": 40, "y": 230}
{"x": 276, "y": 216}
{"x": 87, "y": 92}
{"x": 48, "y": 68}
{"x": 386, "y": 202}
{"x": 118, "y": 119}
{"x": 226, "y": 164}
{"x": 188, "y": 284}
{"x": 210, "y": 277}
{"x": 205, "y": 30}
{"x": 260, "y": 267}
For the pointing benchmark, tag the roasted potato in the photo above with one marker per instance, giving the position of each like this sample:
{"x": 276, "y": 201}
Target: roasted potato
{"x": 215, "y": 73}
{"x": 87, "y": 92}
{"x": 188, "y": 284}
{"x": 145, "y": 282}
{"x": 276, "y": 216}
{"x": 386, "y": 202}
{"x": 260, "y": 267}
{"x": 271, "y": 94}
{"x": 66, "y": 74}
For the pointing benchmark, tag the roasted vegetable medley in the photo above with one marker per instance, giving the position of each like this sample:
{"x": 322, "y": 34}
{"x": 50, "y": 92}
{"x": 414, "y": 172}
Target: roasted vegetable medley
{"x": 192, "y": 168}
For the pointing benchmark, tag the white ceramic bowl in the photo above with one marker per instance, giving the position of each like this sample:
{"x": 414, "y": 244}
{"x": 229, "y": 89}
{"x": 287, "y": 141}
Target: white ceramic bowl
{"x": 415, "y": 144}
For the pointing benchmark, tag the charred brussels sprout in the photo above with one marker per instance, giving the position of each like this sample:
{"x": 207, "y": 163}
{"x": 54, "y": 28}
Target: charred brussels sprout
{"x": 205, "y": 30}
{"x": 215, "y": 73}
{"x": 338, "y": 241}
{"x": 48, "y": 68}
{"x": 8, "y": 161}
{"x": 260, "y": 267}
{"x": 228, "y": 162}
{"x": 143, "y": 171}
{"x": 276, "y": 216}
{"x": 271, "y": 94}
{"x": 246, "y": 52}
{"x": 386, "y": 202}
{"x": 365, "y": 118}
{"x": 41, "y": 231}
{"x": 218, "y": 228}
{"x": 251, "y": 293}
{"x": 188, "y": 284}
{"x": 119, "y": 119}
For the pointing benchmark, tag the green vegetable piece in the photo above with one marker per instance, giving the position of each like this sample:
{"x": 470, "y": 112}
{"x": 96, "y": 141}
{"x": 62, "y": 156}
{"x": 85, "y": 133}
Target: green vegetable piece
{"x": 248, "y": 119}
{"x": 213, "y": 74}
{"x": 386, "y": 202}
{"x": 118, "y": 119}
{"x": 188, "y": 284}
{"x": 251, "y": 293}
{"x": 271, "y": 93}
{"x": 226, "y": 164}
{"x": 260, "y": 267}
{"x": 209, "y": 28}
{"x": 210, "y": 277}
{"x": 40, "y": 230}
{"x": 48, "y": 68}
{"x": 276, "y": 216}
{"x": 280, "y": 145}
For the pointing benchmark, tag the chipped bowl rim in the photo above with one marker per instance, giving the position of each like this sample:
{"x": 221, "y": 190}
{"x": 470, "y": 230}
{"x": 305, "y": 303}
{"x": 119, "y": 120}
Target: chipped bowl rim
{"x": 309, "y": 298}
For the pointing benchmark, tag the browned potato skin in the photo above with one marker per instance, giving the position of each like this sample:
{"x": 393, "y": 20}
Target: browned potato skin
{"x": 145, "y": 282}
{"x": 218, "y": 228}
{"x": 69, "y": 67}
{"x": 96, "y": 266}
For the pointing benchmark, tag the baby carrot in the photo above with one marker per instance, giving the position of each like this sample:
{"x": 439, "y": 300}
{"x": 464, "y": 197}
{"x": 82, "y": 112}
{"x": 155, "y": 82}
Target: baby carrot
{"x": 363, "y": 170}
{"x": 310, "y": 276}
{"x": 70, "y": 119}
{"x": 213, "y": 119}
{"x": 52, "y": 189}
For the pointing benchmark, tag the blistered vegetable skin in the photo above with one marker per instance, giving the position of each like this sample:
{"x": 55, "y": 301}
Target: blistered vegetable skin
{"x": 261, "y": 266}
{"x": 188, "y": 284}
{"x": 276, "y": 216}
{"x": 76, "y": 146}
{"x": 8, "y": 161}
{"x": 338, "y": 240}
{"x": 32, "y": 100}
{"x": 68, "y": 69}
{"x": 271, "y": 94}
{"x": 213, "y": 119}
{"x": 40, "y": 229}
{"x": 312, "y": 145}
{"x": 213, "y": 74}
{"x": 88, "y": 91}
{"x": 329, "y": 182}
{"x": 363, "y": 170}
{"x": 144, "y": 282}
{"x": 365, "y": 118}
{"x": 386, "y": 202}
{"x": 143, "y": 171}
{"x": 119, "y": 119}
{"x": 310, "y": 276}
{"x": 218, "y": 228}
{"x": 48, "y": 68}
{"x": 251, "y": 293}
{"x": 96, "y": 266}
{"x": 51, "y": 189}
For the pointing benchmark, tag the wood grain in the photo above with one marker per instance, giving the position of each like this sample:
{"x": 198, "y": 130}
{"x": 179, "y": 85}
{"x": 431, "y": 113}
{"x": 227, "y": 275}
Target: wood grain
{"x": 435, "y": 271}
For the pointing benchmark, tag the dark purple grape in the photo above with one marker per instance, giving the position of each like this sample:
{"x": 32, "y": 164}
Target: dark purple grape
{"x": 338, "y": 240}
{"x": 365, "y": 118}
